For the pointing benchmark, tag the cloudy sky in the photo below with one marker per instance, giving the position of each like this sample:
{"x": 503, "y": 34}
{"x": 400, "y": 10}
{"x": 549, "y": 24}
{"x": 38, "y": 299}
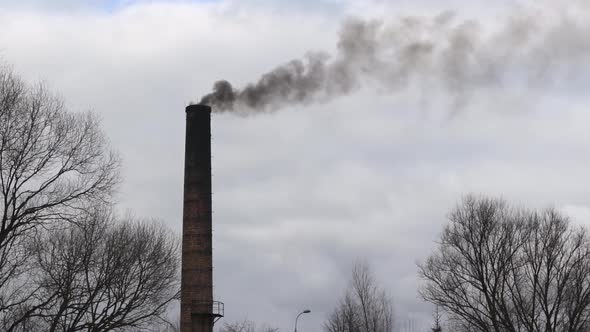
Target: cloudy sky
{"x": 302, "y": 193}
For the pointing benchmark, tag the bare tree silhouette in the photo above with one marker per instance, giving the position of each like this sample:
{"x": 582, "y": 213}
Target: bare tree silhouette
{"x": 66, "y": 262}
{"x": 365, "y": 307}
{"x": 500, "y": 268}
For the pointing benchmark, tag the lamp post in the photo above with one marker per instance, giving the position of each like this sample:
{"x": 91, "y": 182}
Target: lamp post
{"x": 306, "y": 311}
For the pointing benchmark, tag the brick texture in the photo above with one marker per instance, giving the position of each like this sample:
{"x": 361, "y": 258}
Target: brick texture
{"x": 197, "y": 265}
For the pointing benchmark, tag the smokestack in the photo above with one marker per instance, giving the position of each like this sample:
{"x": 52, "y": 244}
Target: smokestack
{"x": 198, "y": 311}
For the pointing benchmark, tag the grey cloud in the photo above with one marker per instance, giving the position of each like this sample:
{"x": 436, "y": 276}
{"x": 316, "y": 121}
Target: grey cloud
{"x": 300, "y": 194}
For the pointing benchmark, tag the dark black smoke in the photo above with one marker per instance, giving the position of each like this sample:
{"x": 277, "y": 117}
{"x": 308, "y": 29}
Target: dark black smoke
{"x": 454, "y": 56}
{"x": 294, "y": 82}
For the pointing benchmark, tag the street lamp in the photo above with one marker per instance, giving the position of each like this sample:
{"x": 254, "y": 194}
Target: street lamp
{"x": 306, "y": 311}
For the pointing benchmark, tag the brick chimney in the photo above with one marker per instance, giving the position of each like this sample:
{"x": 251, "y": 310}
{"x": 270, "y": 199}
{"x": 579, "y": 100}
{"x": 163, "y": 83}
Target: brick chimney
{"x": 198, "y": 311}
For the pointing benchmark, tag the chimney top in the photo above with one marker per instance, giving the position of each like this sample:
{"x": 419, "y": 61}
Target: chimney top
{"x": 198, "y": 108}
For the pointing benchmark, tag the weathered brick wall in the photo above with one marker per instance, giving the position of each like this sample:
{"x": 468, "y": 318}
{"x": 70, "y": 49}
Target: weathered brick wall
{"x": 197, "y": 276}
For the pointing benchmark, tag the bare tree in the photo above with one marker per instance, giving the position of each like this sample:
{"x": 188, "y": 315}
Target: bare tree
{"x": 66, "y": 263}
{"x": 246, "y": 326}
{"x": 103, "y": 274}
{"x": 52, "y": 165}
{"x": 365, "y": 307}
{"x": 436, "y": 315}
{"x": 500, "y": 268}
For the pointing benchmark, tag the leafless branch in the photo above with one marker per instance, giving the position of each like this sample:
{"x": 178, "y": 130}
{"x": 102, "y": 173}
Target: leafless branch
{"x": 365, "y": 307}
{"x": 500, "y": 268}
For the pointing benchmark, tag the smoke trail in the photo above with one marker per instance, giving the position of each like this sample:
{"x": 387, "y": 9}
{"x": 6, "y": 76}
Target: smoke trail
{"x": 454, "y": 56}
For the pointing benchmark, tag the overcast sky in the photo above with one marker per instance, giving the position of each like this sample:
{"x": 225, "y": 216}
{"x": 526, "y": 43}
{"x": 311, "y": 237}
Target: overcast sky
{"x": 302, "y": 193}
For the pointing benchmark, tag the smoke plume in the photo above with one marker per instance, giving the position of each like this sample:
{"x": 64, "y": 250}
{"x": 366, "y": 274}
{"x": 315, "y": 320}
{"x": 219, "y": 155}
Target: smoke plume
{"x": 454, "y": 56}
